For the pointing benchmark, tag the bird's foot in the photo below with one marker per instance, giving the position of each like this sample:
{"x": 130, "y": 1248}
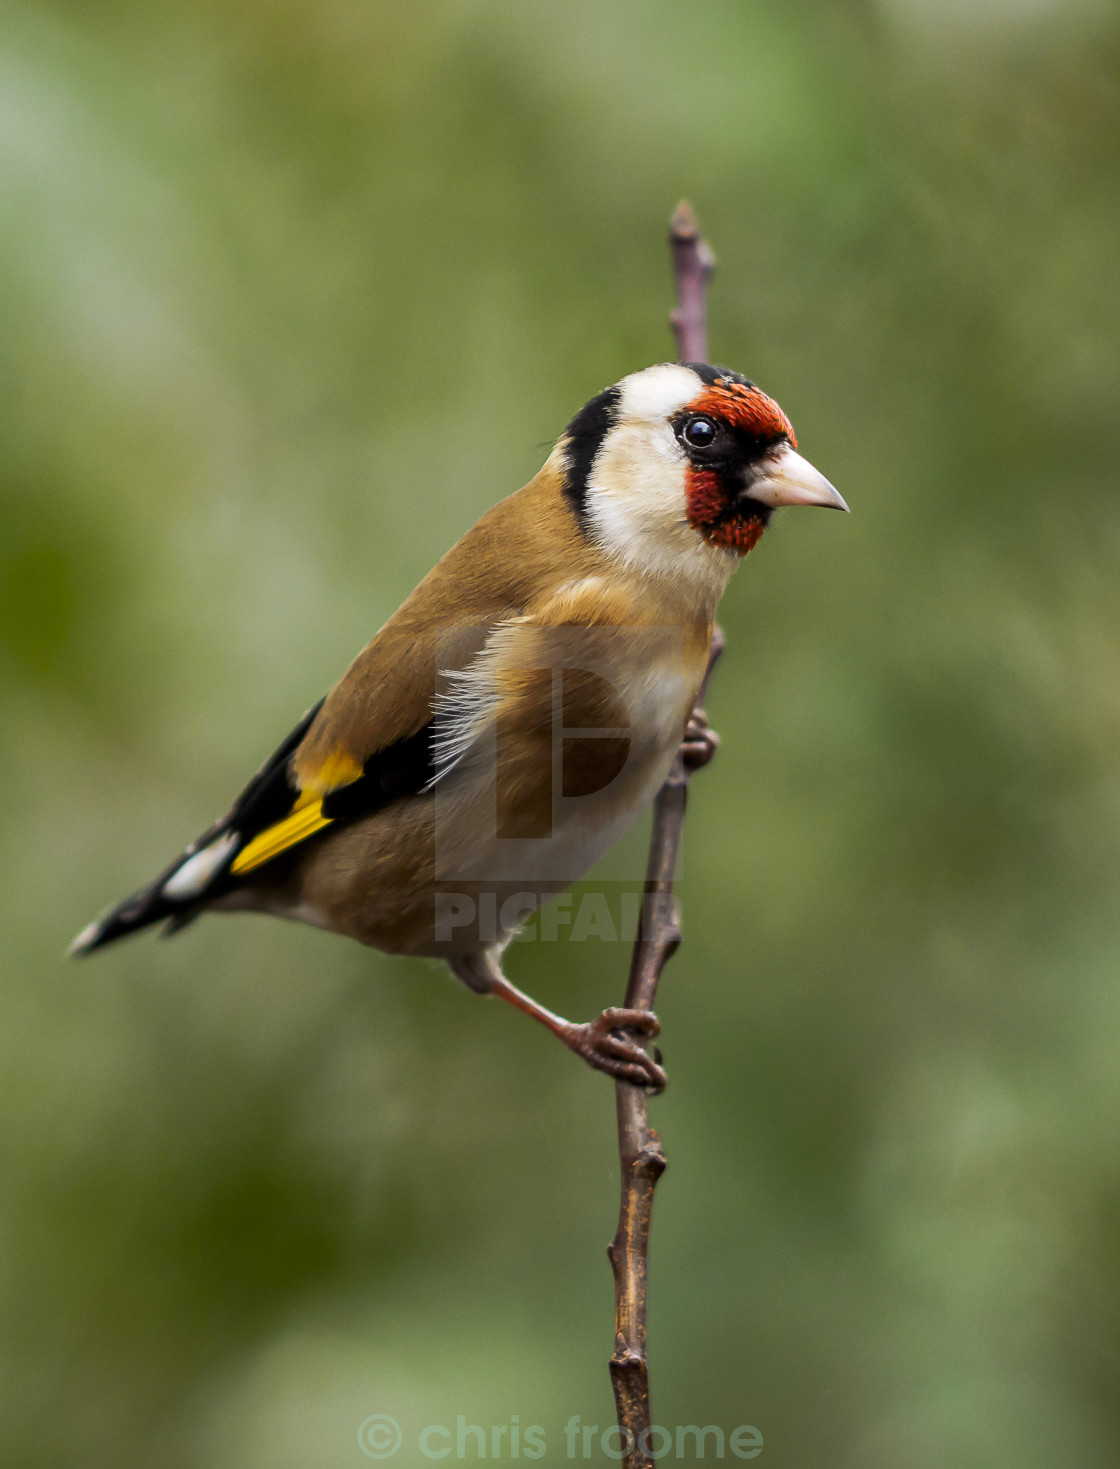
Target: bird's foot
{"x": 604, "y": 1044}
{"x": 700, "y": 741}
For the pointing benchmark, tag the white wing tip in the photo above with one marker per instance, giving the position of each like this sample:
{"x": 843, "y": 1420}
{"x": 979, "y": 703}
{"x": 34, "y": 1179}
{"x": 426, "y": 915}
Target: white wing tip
{"x": 85, "y": 940}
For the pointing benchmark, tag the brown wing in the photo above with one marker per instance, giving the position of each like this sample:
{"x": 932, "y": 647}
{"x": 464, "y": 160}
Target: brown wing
{"x": 527, "y": 544}
{"x": 373, "y": 739}
{"x": 370, "y": 741}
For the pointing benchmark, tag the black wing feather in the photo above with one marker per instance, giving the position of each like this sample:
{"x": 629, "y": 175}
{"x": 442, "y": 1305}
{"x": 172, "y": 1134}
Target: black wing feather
{"x": 403, "y": 768}
{"x": 267, "y": 798}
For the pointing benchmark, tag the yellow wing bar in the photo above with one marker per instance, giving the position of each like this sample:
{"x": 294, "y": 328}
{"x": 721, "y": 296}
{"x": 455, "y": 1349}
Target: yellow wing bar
{"x": 306, "y": 817}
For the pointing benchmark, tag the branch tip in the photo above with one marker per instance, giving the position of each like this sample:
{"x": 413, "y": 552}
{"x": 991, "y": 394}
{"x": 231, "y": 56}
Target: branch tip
{"x": 684, "y": 224}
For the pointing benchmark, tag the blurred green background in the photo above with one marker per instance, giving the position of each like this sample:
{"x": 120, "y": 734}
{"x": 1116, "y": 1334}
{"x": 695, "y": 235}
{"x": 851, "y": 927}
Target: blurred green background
{"x": 291, "y": 291}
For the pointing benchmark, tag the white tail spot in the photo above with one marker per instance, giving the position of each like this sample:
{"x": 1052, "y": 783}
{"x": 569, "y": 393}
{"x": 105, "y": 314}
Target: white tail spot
{"x": 196, "y": 871}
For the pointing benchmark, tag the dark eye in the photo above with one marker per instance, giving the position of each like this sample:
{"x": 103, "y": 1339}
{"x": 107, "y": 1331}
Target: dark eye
{"x": 699, "y": 433}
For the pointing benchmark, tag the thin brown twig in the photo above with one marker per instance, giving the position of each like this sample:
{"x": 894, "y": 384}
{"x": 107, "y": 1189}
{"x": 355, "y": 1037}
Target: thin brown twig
{"x": 693, "y": 264}
{"x": 641, "y": 1158}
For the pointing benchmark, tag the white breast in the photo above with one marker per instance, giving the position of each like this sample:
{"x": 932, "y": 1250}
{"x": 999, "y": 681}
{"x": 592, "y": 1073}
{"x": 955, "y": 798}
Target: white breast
{"x": 584, "y": 828}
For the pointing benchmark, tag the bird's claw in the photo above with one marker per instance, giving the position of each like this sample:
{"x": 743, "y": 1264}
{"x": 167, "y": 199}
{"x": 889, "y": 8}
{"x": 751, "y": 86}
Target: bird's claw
{"x": 700, "y": 742}
{"x": 604, "y": 1044}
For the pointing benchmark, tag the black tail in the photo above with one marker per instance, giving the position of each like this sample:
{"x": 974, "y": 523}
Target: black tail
{"x": 155, "y": 903}
{"x": 142, "y": 909}
{"x": 180, "y": 893}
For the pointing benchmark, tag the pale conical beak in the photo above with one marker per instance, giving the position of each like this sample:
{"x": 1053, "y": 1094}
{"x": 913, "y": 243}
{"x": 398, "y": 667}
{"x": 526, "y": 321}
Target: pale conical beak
{"x": 791, "y": 480}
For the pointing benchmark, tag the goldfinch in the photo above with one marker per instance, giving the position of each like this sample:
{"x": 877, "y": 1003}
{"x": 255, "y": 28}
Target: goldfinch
{"x": 520, "y": 709}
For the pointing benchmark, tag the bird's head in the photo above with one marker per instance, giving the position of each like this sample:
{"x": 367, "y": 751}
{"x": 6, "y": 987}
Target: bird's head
{"x": 679, "y": 467}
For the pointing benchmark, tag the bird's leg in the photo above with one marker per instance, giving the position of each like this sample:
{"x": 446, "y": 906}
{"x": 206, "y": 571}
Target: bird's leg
{"x": 602, "y": 1042}
{"x": 700, "y": 742}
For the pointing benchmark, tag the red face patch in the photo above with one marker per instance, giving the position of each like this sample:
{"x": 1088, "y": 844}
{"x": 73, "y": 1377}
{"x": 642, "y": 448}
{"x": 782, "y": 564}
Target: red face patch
{"x": 748, "y": 411}
{"x": 707, "y": 500}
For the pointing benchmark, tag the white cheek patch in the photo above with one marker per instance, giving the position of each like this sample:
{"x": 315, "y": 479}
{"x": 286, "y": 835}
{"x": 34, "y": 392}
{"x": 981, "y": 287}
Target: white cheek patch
{"x": 637, "y": 507}
{"x": 196, "y": 871}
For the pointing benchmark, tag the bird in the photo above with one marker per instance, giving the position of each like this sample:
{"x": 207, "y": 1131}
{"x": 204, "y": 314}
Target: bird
{"x": 520, "y": 709}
